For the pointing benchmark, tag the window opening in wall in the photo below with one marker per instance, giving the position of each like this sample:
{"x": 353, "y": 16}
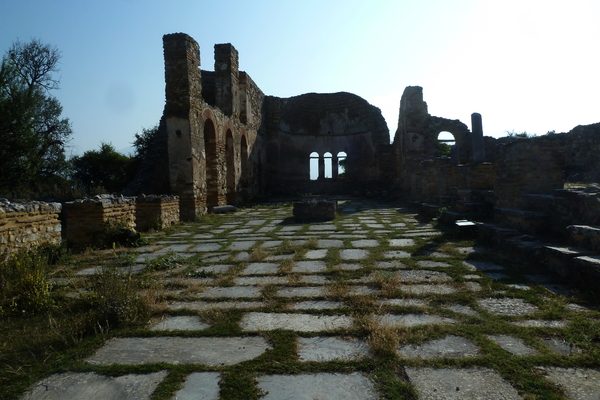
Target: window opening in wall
{"x": 314, "y": 166}
{"x": 328, "y": 165}
{"x": 341, "y": 167}
{"x": 445, "y": 142}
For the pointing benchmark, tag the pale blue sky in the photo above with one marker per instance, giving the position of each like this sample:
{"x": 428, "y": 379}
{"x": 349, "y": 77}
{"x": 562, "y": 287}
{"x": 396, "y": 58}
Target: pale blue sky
{"x": 525, "y": 65}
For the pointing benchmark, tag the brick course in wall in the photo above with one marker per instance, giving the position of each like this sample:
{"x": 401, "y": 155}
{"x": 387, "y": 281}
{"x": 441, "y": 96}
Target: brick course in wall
{"x": 86, "y": 219}
{"x": 25, "y": 225}
{"x": 156, "y": 212}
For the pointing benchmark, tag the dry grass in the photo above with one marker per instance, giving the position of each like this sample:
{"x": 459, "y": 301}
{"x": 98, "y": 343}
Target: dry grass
{"x": 258, "y": 254}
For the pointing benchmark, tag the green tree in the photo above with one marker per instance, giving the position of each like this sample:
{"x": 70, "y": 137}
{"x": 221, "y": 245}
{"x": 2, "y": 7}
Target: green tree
{"x": 103, "y": 169}
{"x": 143, "y": 141}
{"x": 32, "y": 132}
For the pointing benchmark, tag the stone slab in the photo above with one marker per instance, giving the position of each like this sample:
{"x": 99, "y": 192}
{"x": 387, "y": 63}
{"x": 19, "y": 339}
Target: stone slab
{"x": 401, "y": 242}
{"x": 316, "y": 305}
{"x": 506, "y": 306}
{"x": 536, "y": 323}
{"x": 212, "y": 351}
{"x": 409, "y": 320}
{"x": 403, "y": 302}
{"x": 260, "y": 280}
{"x": 316, "y": 254}
{"x": 330, "y": 386}
{"x": 257, "y": 321}
{"x": 422, "y": 276}
{"x": 206, "y": 247}
{"x": 428, "y": 289}
{"x": 305, "y": 291}
{"x": 314, "y": 279}
{"x": 432, "y": 264}
{"x": 461, "y": 309}
{"x": 180, "y": 323}
{"x": 396, "y": 254}
{"x": 365, "y": 243}
{"x": 323, "y": 349}
{"x": 482, "y": 266}
{"x": 241, "y": 245}
{"x": 354, "y": 254}
{"x": 216, "y": 269}
{"x": 578, "y": 383}
{"x": 260, "y": 268}
{"x": 393, "y": 264}
{"x": 200, "y": 386}
{"x": 92, "y": 386}
{"x": 458, "y": 384}
{"x": 451, "y": 346}
{"x": 210, "y": 305}
{"x": 309, "y": 266}
{"x": 514, "y": 346}
{"x": 561, "y": 346}
{"x": 231, "y": 292}
{"x": 329, "y": 243}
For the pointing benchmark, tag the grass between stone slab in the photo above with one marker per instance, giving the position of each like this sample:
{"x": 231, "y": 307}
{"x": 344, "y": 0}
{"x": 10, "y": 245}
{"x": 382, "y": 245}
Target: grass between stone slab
{"x": 64, "y": 348}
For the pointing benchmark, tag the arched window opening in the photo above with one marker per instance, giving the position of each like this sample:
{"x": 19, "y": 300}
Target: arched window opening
{"x": 445, "y": 142}
{"x": 341, "y": 161}
{"x": 314, "y": 166}
{"x": 328, "y": 165}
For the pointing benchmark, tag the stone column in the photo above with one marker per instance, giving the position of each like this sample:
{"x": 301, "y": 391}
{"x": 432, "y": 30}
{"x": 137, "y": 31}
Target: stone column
{"x": 478, "y": 143}
{"x": 321, "y": 166}
{"x": 334, "y": 166}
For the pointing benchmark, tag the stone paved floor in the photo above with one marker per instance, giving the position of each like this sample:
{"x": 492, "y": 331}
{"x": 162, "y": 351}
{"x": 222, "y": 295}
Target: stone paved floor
{"x": 376, "y": 305}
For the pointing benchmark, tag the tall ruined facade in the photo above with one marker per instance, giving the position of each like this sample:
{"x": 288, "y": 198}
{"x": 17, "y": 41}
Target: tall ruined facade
{"x": 226, "y": 142}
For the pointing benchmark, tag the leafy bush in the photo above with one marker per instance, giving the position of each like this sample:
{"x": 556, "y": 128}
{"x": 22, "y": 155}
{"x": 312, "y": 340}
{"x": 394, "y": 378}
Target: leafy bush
{"x": 117, "y": 299}
{"x": 24, "y": 280}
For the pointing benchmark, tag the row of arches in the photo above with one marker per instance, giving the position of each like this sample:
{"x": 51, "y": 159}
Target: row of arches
{"x": 327, "y": 166}
{"x": 221, "y": 168}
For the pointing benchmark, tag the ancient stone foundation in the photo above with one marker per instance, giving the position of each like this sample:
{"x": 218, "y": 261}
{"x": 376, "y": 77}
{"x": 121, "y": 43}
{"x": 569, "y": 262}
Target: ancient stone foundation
{"x": 24, "y": 225}
{"x": 316, "y": 210}
{"x": 86, "y": 219}
{"x": 156, "y": 212}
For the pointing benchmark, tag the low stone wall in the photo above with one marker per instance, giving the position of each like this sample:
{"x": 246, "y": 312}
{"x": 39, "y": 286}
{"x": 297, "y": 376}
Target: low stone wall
{"x": 25, "y": 225}
{"x": 86, "y": 219}
{"x": 156, "y": 212}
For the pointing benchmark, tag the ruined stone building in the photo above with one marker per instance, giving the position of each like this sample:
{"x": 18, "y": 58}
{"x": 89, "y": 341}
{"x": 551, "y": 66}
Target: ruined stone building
{"x": 223, "y": 141}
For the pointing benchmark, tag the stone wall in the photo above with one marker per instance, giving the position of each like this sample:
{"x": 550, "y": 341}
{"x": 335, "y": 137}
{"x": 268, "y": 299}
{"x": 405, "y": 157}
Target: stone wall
{"x": 25, "y": 225}
{"x": 529, "y": 166}
{"x": 156, "y": 212}
{"x": 86, "y": 219}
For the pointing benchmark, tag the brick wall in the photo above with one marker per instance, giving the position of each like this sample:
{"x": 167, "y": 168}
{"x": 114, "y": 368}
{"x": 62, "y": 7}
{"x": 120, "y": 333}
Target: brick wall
{"x": 156, "y": 212}
{"x": 86, "y": 219}
{"x": 27, "y": 225}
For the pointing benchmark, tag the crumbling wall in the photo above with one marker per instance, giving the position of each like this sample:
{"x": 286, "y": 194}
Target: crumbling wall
{"x": 581, "y": 154}
{"x": 86, "y": 219}
{"x": 209, "y": 117}
{"x": 323, "y": 123}
{"x": 25, "y": 225}
{"x": 156, "y": 212}
{"x": 529, "y": 166}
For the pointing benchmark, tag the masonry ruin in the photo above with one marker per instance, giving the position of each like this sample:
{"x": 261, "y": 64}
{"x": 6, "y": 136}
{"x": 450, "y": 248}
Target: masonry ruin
{"x": 222, "y": 141}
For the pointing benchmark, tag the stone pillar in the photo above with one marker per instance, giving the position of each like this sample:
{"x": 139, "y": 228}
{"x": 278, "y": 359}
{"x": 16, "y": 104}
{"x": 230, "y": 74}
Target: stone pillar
{"x": 454, "y": 155}
{"x": 321, "y": 166}
{"x": 334, "y": 166}
{"x": 183, "y": 92}
{"x": 478, "y": 144}
{"x": 227, "y": 78}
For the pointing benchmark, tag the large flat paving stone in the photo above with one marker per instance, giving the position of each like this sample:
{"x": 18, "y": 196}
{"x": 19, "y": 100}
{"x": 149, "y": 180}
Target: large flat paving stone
{"x": 450, "y": 346}
{"x": 323, "y": 349}
{"x": 260, "y": 268}
{"x": 428, "y": 289}
{"x": 180, "y": 323}
{"x": 216, "y": 305}
{"x": 200, "y": 386}
{"x": 257, "y": 321}
{"x": 423, "y": 276}
{"x": 212, "y": 351}
{"x": 305, "y": 291}
{"x": 309, "y": 266}
{"x": 578, "y": 383}
{"x": 506, "y": 306}
{"x": 408, "y": 320}
{"x": 91, "y": 386}
{"x": 458, "y": 384}
{"x": 330, "y": 386}
{"x": 231, "y": 292}
{"x": 316, "y": 305}
{"x": 354, "y": 254}
{"x": 514, "y": 346}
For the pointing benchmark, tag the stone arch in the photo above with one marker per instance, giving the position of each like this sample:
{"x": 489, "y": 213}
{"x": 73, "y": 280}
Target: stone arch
{"x": 211, "y": 159}
{"x": 243, "y": 183}
{"x": 230, "y": 167}
{"x": 460, "y": 131}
